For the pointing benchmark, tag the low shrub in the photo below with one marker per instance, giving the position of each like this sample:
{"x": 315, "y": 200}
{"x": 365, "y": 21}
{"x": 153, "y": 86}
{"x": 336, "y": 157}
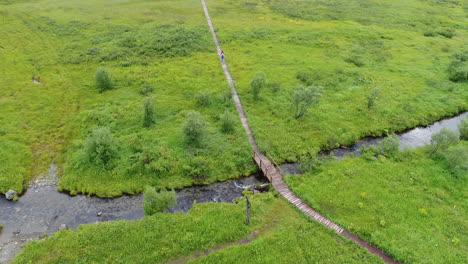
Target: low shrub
{"x": 390, "y": 145}
{"x": 457, "y": 160}
{"x": 157, "y": 202}
{"x": 372, "y": 98}
{"x": 304, "y": 98}
{"x": 228, "y": 122}
{"x": 194, "y": 128}
{"x": 447, "y": 32}
{"x": 463, "y": 129}
{"x": 356, "y": 60}
{"x": 442, "y": 140}
{"x": 257, "y": 83}
{"x": 103, "y": 79}
{"x": 146, "y": 89}
{"x": 100, "y": 147}
{"x": 458, "y": 68}
{"x": 203, "y": 98}
{"x": 429, "y": 34}
{"x": 198, "y": 169}
{"x": 275, "y": 86}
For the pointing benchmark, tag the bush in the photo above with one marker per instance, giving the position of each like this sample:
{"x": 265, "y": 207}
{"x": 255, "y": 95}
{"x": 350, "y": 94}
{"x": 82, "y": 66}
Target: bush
{"x": 304, "y": 98}
{"x": 100, "y": 147}
{"x": 457, "y": 160}
{"x": 356, "y": 60}
{"x": 203, "y": 98}
{"x": 443, "y": 140}
{"x": 275, "y": 86}
{"x": 447, "y": 32}
{"x": 257, "y": 83}
{"x": 198, "y": 169}
{"x": 390, "y": 145}
{"x": 146, "y": 89}
{"x": 228, "y": 122}
{"x": 429, "y": 34}
{"x": 103, "y": 79}
{"x": 458, "y": 68}
{"x": 309, "y": 162}
{"x": 194, "y": 128}
{"x": 372, "y": 98}
{"x": 157, "y": 202}
{"x": 463, "y": 128}
{"x": 148, "y": 109}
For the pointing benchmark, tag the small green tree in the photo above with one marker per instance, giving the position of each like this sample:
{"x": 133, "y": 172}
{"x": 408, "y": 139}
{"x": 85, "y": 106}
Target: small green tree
{"x": 443, "y": 140}
{"x": 103, "y": 79}
{"x": 257, "y": 83}
{"x": 372, "y": 98}
{"x": 156, "y": 202}
{"x": 148, "y": 109}
{"x": 463, "y": 128}
{"x": 100, "y": 146}
{"x": 304, "y": 98}
{"x": 228, "y": 122}
{"x": 194, "y": 128}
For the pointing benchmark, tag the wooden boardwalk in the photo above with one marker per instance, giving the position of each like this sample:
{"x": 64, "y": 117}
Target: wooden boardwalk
{"x": 274, "y": 173}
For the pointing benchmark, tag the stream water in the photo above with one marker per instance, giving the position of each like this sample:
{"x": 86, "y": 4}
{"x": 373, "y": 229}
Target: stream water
{"x": 42, "y": 209}
{"x": 413, "y": 138}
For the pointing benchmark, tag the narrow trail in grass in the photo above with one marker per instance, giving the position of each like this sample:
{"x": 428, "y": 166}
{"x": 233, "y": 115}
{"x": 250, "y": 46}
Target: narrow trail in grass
{"x": 271, "y": 171}
{"x": 206, "y": 252}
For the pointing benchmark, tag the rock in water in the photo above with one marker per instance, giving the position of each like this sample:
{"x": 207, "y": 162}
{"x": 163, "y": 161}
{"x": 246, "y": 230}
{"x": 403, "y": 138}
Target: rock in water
{"x": 10, "y": 194}
{"x": 63, "y": 227}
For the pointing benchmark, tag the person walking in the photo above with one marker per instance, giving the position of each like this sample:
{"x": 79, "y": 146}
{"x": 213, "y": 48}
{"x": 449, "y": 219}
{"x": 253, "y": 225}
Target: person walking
{"x": 222, "y": 55}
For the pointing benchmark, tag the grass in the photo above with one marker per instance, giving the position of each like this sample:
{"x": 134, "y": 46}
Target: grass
{"x": 284, "y": 234}
{"x": 413, "y": 207}
{"x": 164, "y": 44}
{"x": 349, "y": 48}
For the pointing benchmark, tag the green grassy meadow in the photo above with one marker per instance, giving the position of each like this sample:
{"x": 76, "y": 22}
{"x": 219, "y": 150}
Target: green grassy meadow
{"x": 413, "y": 207}
{"x": 348, "y": 48}
{"x": 283, "y": 235}
{"x": 164, "y": 44}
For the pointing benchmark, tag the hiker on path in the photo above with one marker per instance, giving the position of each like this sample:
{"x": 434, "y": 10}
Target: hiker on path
{"x": 222, "y": 55}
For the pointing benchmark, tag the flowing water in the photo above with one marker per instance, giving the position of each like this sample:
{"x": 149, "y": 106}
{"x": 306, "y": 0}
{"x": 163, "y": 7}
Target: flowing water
{"x": 413, "y": 138}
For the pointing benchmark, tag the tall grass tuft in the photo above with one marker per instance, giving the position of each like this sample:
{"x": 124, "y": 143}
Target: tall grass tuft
{"x": 148, "y": 112}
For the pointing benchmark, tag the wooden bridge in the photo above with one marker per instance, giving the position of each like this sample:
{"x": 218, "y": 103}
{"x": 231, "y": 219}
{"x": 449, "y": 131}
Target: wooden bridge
{"x": 272, "y": 171}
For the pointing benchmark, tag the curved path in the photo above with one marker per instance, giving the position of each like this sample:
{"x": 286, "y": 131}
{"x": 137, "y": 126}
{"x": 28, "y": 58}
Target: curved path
{"x": 271, "y": 171}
